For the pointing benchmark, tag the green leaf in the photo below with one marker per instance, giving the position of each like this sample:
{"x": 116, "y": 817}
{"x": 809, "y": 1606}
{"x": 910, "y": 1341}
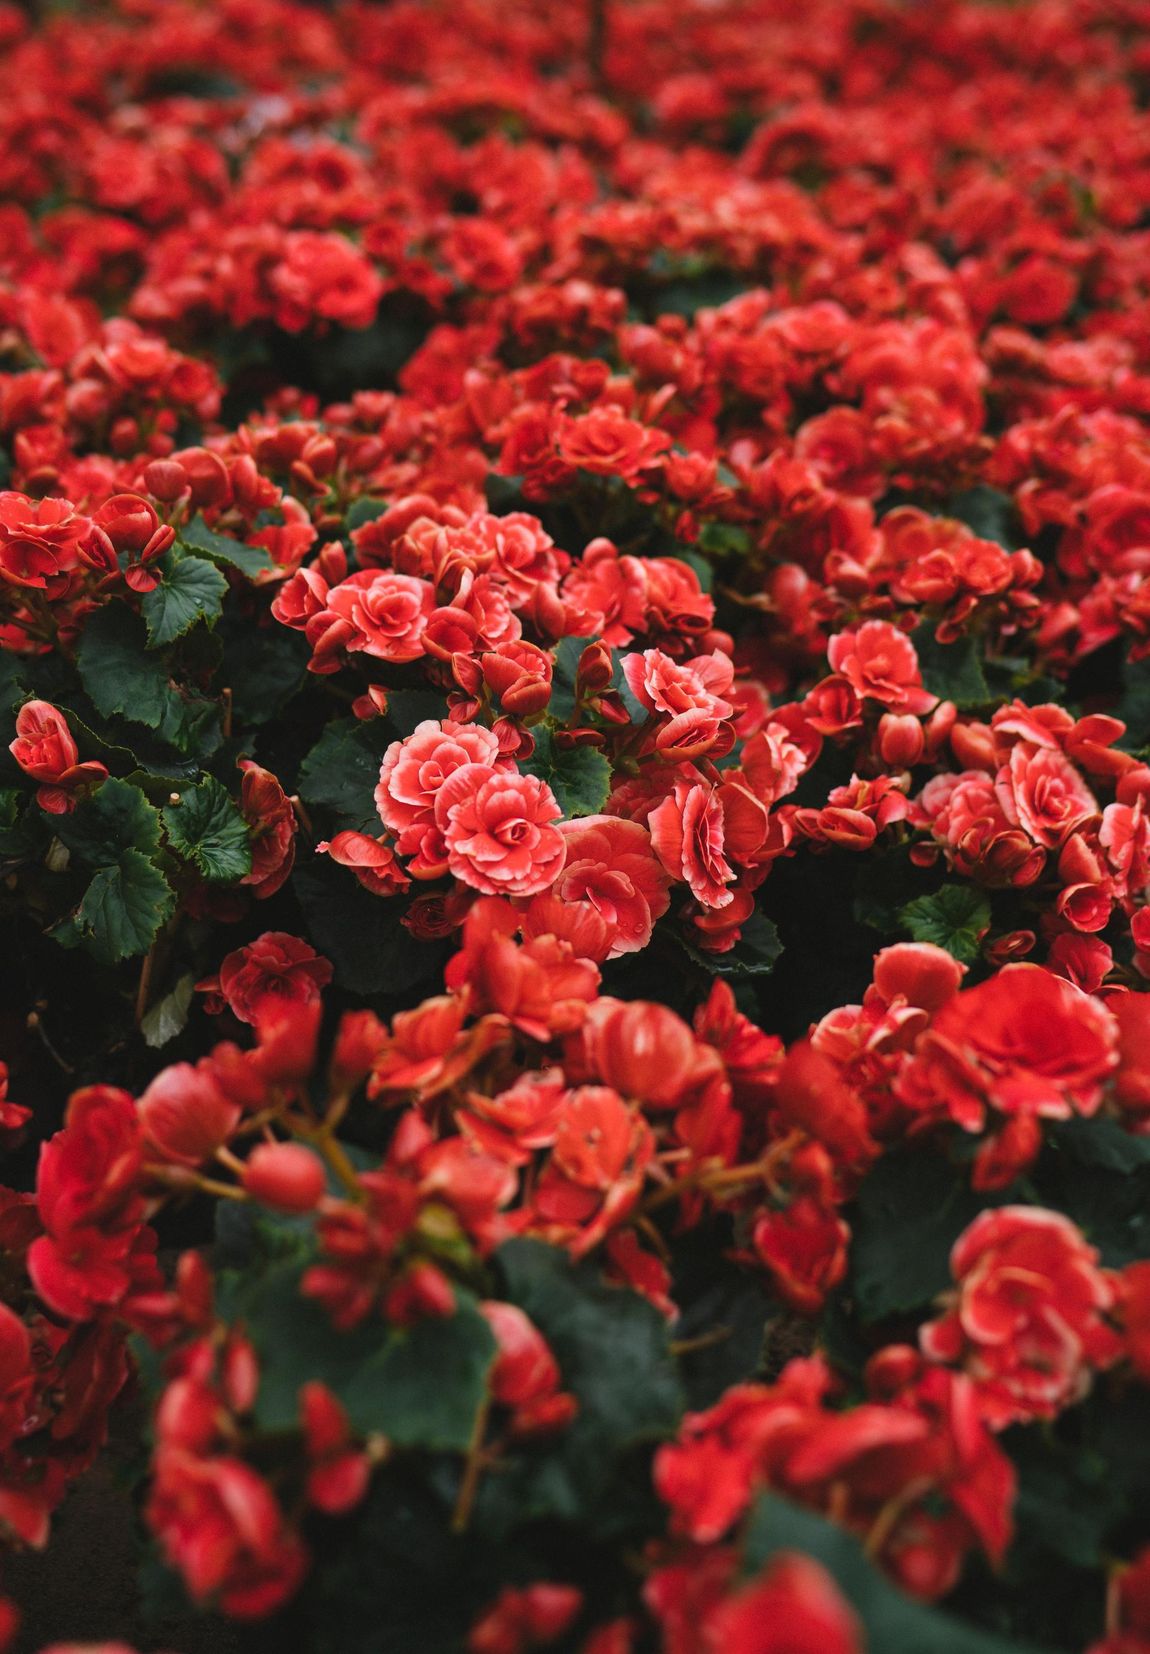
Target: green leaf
{"x": 580, "y": 777}
{"x": 219, "y": 548}
{"x": 123, "y": 908}
{"x": 115, "y": 819}
{"x": 703, "y": 569}
{"x": 989, "y": 513}
{"x": 360, "y": 932}
{"x": 567, "y": 657}
{"x": 263, "y": 666}
{"x": 1100, "y": 1142}
{"x": 955, "y": 918}
{"x": 910, "y": 1211}
{"x": 12, "y": 687}
{"x": 408, "y": 707}
{"x": 207, "y": 829}
{"x": 895, "y": 1624}
{"x": 754, "y": 954}
{"x": 341, "y": 771}
{"x": 118, "y": 673}
{"x": 420, "y": 1386}
{"x": 952, "y": 671}
{"x": 191, "y": 590}
{"x": 613, "y": 1353}
{"x": 168, "y": 1017}
{"x": 363, "y": 510}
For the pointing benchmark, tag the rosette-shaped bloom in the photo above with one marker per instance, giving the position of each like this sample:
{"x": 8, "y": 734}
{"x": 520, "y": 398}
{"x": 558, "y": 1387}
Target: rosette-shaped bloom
{"x": 612, "y": 868}
{"x": 880, "y": 664}
{"x": 411, "y": 776}
{"x": 1040, "y": 791}
{"x": 687, "y": 831}
{"x": 499, "y": 830}
{"x": 375, "y": 612}
{"x": 1025, "y": 1042}
{"x": 274, "y": 975}
{"x": 1027, "y": 1320}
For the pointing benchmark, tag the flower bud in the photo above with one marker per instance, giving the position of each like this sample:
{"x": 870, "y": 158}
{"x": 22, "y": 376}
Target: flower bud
{"x": 285, "y": 1176}
{"x": 900, "y": 740}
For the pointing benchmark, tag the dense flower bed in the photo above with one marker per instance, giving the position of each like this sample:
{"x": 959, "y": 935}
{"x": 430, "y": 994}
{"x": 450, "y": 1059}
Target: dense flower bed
{"x": 575, "y": 819}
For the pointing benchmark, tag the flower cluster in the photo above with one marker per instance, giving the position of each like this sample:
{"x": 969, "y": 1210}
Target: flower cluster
{"x": 575, "y": 816}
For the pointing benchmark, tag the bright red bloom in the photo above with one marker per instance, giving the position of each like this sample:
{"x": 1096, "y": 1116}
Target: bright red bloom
{"x": 265, "y": 979}
{"x": 611, "y": 867}
{"x": 521, "y": 1620}
{"x": 218, "y": 1522}
{"x": 372, "y": 861}
{"x": 880, "y": 664}
{"x": 1028, "y": 1319}
{"x": 1023, "y": 1042}
{"x": 498, "y": 828}
{"x": 45, "y": 750}
{"x": 688, "y": 835}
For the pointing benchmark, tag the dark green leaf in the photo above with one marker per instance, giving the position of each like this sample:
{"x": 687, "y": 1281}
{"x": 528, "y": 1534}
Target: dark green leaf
{"x": 580, "y": 777}
{"x": 612, "y": 1350}
{"x": 360, "y": 932}
{"x": 168, "y": 1017}
{"x": 207, "y": 829}
{"x": 567, "y": 656}
{"x": 1100, "y": 1142}
{"x": 910, "y": 1211}
{"x": 408, "y": 707}
{"x": 754, "y": 954}
{"x": 894, "y": 1623}
{"x": 116, "y": 818}
{"x": 219, "y": 548}
{"x": 988, "y": 513}
{"x": 341, "y": 772}
{"x": 952, "y": 671}
{"x": 123, "y": 908}
{"x": 191, "y": 590}
{"x": 263, "y": 666}
{"x": 955, "y": 918}
{"x": 363, "y": 510}
{"x": 117, "y": 671}
{"x": 420, "y": 1386}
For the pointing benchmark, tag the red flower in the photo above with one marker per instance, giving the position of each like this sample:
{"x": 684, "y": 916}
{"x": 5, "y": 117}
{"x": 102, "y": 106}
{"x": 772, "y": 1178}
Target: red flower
{"x": 185, "y": 1114}
{"x": 526, "y": 1377}
{"x": 498, "y": 828}
{"x": 271, "y": 828}
{"x": 411, "y": 776}
{"x": 375, "y": 612}
{"x": 372, "y": 861}
{"x": 218, "y": 1522}
{"x": 45, "y": 750}
{"x": 264, "y": 980}
{"x": 609, "y": 444}
{"x": 1023, "y": 1042}
{"x": 286, "y": 1176}
{"x": 880, "y": 664}
{"x": 793, "y": 1607}
{"x": 38, "y": 542}
{"x": 129, "y": 527}
{"x": 688, "y": 835}
{"x": 1040, "y": 791}
{"x": 612, "y": 869}
{"x": 1027, "y": 1321}
{"x": 523, "y": 1619}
